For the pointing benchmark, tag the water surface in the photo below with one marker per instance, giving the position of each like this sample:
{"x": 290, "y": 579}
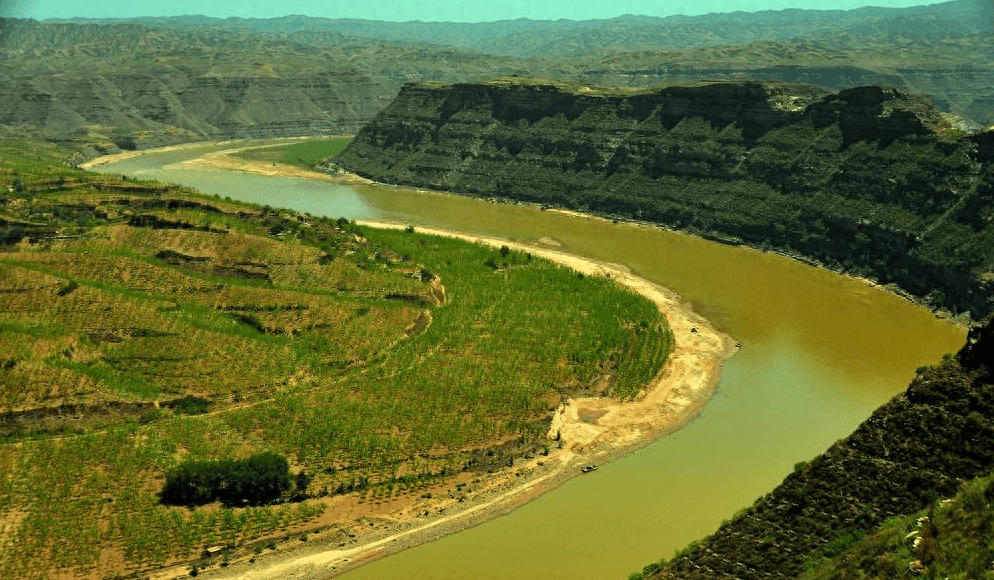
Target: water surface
{"x": 819, "y": 352}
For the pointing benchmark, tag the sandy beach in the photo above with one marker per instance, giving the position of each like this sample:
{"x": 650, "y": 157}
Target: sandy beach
{"x": 592, "y": 431}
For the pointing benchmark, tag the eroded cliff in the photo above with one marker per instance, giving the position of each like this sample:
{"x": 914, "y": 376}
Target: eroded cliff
{"x": 869, "y": 181}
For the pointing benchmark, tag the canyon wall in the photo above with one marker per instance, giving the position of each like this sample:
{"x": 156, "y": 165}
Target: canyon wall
{"x": 870, "y": 181}
{"x": 139, "y": 109}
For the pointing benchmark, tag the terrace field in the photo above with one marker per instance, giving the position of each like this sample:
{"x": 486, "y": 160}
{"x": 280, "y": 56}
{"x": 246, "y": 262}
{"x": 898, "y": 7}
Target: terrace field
{"x": 144, "y": 325}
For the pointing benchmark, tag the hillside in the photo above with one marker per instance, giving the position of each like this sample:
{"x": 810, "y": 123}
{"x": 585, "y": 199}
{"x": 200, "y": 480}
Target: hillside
{"x": 921, "y": 447}
{"x": 112, "y": 84}
{"x": 104, "y": 88}
{"x": 570, "y": 39}
{"x": 158, "y": 343}
{"x": 869, "y": 181}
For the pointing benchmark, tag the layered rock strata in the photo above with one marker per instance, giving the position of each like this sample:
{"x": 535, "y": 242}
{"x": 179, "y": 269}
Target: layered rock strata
{"x": 147, "y": 109}
{"x": 870, "y": 181}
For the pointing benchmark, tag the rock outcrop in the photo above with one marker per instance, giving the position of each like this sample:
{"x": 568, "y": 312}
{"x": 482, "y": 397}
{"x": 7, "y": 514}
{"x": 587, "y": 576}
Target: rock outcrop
{"x": 870, "y": 180}
{"x": 108, "y": 84}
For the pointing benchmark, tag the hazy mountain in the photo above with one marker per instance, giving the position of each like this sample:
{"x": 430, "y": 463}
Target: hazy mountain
{"x": 146, "y": 81}
{"x": 525, "y": 38}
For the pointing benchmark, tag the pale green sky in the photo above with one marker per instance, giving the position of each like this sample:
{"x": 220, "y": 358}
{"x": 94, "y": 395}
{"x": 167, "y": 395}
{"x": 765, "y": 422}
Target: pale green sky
{"x": 404, "y": 10}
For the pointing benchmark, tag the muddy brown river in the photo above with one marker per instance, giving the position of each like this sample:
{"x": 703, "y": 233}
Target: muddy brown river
{"x": 819, "y": 352}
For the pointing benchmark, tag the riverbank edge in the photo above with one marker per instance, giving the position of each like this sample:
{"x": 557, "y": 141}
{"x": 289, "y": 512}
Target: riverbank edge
{"x": 962, "y": 319}
{"x": 678, "y": 394}
{"x": 223, "y": 160}
{"x": 675, "y": 397}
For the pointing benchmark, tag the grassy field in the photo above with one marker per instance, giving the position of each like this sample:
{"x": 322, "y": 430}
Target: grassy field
{"x": 143, "y": 325}
{"x": 304, "y": 155}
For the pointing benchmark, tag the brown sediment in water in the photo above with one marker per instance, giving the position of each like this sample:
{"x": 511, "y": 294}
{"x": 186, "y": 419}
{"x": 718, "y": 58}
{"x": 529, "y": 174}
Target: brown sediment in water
{"x": 590, "y": 430}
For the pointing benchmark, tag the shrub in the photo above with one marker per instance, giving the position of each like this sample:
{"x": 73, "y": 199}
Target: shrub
{"x": 190, "y": 405}
{"x": 260, "y": 479}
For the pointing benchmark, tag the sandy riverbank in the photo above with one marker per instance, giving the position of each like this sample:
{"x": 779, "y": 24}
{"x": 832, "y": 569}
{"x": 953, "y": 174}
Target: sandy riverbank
{"x": 592, "y": 430}
{"x": 674, "y": 397}
{"x": 239, "y": 145}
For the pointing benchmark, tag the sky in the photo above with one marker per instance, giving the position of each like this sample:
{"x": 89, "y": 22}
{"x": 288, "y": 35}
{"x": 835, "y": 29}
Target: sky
{"x": 406, "y": 10}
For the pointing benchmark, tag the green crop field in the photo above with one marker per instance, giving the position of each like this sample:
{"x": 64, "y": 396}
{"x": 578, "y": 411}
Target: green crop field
{"x": 144, "y": 325}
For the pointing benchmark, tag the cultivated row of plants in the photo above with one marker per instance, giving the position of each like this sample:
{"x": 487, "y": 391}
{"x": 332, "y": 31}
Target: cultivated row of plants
{"x": 139, "y": 354}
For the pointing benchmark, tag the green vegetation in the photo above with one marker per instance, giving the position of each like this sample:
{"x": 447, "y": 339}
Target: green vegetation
{"x": 304, "y": 155}
{"x": 868, "y": 181}
{"x": 150, "y": 331}
{"x": 952, "y": 538}
{"x": 256, "y": 480}
{"x": 857, "y": 510}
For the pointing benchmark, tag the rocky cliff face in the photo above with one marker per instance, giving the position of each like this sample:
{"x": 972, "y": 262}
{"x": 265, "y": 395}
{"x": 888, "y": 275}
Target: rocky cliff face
{"x": 148, "y": 81}
{"x": 961, "y": 88}
{"x": 871, "y": 181}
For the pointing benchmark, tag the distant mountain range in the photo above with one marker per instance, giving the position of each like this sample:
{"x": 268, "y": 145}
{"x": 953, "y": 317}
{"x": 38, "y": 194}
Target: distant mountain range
{"x": 524, "y": 38}
{"x": 107, "y": 83}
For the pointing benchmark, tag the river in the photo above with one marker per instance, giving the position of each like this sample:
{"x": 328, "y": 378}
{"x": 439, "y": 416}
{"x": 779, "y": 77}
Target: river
{"x": 819, "y": 352}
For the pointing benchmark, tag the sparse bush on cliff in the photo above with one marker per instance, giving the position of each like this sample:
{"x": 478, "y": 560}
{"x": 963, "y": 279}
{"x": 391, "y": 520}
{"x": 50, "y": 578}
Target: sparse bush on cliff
{"x": 919, "y": 447}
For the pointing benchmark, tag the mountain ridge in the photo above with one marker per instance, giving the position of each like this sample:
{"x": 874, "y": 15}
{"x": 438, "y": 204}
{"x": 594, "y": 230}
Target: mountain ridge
{"x": 869, "y": 181}
{"x": 942, "y": 50}
{"x": 957, "y": 17}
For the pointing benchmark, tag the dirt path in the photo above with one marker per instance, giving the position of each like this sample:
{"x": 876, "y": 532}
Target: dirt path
{"x": 592, "y": 430}
{"x": 611, "y": 429}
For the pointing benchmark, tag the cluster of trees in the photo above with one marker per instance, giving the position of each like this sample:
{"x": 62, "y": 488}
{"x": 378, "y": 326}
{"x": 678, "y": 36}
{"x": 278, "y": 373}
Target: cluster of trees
{"x": 259, "y": 479}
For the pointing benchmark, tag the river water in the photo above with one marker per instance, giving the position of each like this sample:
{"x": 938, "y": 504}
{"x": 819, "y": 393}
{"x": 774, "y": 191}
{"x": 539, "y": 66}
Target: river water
{"x": 819, "y": 353}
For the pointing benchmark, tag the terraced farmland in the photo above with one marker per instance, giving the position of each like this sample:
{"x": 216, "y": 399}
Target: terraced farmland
{"x": 144, "y": 325}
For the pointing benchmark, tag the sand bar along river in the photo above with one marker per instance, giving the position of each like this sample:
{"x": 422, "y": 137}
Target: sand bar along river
{"x": 819, "y": 352}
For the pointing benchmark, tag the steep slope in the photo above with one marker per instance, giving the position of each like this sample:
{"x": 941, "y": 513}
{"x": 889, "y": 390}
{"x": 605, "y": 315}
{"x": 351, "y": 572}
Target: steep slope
{"x": 109, "y": 84}
{"x": 952, "y": 538}
{"x": 870, "y": 181}
{"x": 921, "y": 446}
{"x": 145, "y": 107}
{"x": 105, "y": 87}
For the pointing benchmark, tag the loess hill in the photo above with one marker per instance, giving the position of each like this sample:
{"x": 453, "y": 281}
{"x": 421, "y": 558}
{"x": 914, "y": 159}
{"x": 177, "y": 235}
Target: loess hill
{"x": 869, "y": 181}
{"x": 146, "y": 326}
{"x": 109, "y": 84}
